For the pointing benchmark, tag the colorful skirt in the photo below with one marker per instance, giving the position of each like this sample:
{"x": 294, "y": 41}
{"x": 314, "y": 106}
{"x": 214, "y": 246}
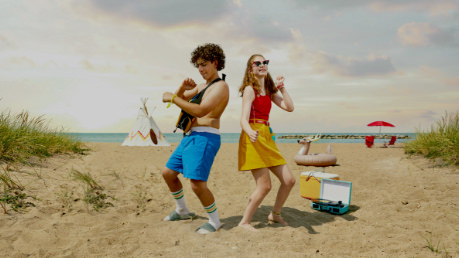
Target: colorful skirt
{"x": 261, "y": 154}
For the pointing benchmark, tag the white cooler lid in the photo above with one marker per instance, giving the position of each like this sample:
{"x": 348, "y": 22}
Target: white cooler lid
{"x": 319, "y": 174}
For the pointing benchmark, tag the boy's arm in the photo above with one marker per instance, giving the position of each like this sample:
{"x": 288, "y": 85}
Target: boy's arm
{"x": 187, "y": 90}
{"x": 214, "y": 95}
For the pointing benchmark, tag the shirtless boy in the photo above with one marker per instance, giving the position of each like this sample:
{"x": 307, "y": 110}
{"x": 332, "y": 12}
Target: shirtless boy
{"x": 196, "y": 152}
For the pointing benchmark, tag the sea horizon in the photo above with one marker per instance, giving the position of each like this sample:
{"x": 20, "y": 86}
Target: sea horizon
{"x": 234, "y": 137}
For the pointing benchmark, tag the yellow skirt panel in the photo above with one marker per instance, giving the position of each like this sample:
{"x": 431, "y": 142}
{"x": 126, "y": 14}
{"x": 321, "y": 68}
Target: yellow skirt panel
{"x": 261, "y": 154}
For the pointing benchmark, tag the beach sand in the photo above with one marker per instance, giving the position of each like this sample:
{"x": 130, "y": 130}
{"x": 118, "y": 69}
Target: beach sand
{"x": 398, "y": 205}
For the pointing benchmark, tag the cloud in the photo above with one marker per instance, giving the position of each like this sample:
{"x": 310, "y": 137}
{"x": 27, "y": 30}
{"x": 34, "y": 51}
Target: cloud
{"x": 164, "y": 12}
{"x": 326, "y": 5}
{"x": 233, "y": 20}
{"x": 352, "y": 67}
{"x": 238, "y": 3}
{"x": 441, "y": 76}
{"x": 296, "y": 49}
{"x": 454, "y": 81}
{"x": 19, "y": 62}
{"x": 423, "y": 34}
{"x": 434, "y": 8}
{"x": 266, "y": 29}
{"x": 257, "y": 24}
{"x": 90, "y": 66}
{"x": 429, "y": 115}
{"x": 4, "y": 42}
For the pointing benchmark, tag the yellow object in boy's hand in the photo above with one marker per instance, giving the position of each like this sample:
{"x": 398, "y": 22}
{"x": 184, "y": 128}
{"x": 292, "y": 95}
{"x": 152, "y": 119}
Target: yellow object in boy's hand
{"x": 172, "y": 100}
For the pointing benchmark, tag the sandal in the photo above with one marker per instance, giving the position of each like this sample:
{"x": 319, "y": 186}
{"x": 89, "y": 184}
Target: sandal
{"x": 175, "y": 216}
{"x": 206, "y": 229}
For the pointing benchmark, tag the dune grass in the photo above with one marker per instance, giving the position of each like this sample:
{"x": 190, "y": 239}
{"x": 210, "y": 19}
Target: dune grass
{"x": 12, "y": 194}
{"x": 23, "y": 137}
{"x": 94, "y": 194}
{"x": 440, "y": 143}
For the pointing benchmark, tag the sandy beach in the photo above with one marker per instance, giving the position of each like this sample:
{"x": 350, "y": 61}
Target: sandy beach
{"x": 398, "y": 205}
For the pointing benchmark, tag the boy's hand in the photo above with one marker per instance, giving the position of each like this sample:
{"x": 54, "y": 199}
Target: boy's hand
{"x": 167, "y": 96}
{"x": 188, "y": 84}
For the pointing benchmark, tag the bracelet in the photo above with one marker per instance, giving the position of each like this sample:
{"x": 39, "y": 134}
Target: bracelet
{"x": 281, "y": 85}
{"x": 172, "y": 99}
{"x": 280, "y": 88}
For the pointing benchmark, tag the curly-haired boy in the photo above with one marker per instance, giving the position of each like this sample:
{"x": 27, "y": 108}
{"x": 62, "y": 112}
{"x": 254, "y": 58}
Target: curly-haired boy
{"x": 196, "y": 152}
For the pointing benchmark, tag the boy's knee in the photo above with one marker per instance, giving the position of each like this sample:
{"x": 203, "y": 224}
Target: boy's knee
{"x": 168, "y": 173}
{"x": 198, "y": 187}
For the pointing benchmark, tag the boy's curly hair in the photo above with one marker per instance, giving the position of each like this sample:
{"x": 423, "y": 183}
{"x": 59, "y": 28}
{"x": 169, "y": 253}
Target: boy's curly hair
{"x": 209, "y": 52}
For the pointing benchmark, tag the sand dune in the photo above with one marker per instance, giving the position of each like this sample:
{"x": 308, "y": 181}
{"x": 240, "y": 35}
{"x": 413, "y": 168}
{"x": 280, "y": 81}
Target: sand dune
{"x": 397, "y": 203}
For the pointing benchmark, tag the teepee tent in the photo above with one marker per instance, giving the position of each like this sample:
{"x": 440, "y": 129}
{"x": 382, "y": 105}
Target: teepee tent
{"x": 145, "y": 131}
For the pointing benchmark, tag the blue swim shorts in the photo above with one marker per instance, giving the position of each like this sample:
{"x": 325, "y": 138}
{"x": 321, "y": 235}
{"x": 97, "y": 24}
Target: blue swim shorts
{"x": 195, "y": 155}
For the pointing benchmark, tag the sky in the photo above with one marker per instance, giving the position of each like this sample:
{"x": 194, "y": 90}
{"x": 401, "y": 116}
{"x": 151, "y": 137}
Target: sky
{"x": 85, "y": 64}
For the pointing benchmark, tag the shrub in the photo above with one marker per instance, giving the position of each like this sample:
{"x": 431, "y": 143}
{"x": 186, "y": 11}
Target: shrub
{"x": 22, "y": 137}
{"x": 441, "y": 142}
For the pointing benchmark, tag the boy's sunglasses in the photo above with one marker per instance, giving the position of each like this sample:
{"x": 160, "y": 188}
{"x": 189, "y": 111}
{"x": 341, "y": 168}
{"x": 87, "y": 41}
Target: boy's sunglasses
{"x": 258, "y": 63}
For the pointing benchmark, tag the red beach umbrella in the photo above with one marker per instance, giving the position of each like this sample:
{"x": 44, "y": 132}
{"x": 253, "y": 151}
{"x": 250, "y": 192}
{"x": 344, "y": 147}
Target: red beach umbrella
{"x": 380, "y": 124}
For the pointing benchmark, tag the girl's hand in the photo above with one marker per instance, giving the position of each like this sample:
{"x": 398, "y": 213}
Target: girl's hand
{"x": 253, "y": 135}
{"x": 279, "y": 81}
{"x": 188, "y": 84}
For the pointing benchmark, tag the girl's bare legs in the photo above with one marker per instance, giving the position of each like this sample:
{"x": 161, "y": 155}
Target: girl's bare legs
{"x": 287, "y": 181}
{"x": 263, "y": 186}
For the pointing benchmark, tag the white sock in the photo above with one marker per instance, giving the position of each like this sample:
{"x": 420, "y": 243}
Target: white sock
{"x": 213, "y": 215}
{"x": 180, "y": 203}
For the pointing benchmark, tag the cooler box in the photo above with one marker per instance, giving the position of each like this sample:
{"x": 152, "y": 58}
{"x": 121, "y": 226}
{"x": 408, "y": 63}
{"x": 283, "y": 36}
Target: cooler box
{"x": 310, "y": 183}
{"x": 335, "y": 196}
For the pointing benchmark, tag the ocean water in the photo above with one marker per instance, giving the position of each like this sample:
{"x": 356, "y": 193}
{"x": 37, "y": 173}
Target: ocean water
{"x": 228, "y": 137}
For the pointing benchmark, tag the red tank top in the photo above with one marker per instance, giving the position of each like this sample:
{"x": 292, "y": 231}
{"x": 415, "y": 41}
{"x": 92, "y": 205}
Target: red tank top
{"x": 261, "y": 106}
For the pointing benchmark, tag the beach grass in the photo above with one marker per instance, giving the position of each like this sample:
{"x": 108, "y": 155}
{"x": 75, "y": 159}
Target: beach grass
{"x": 87, "y": 179}
{"x": 431, "y": 245}
{"x": 93, "y": 194}
{"x": 440, "y": 143}
{"x": 66, "y": 198}
{"x": 23, "y": 136}
{"x": 141, "y": 199}
{"x": 12, "y": 194}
